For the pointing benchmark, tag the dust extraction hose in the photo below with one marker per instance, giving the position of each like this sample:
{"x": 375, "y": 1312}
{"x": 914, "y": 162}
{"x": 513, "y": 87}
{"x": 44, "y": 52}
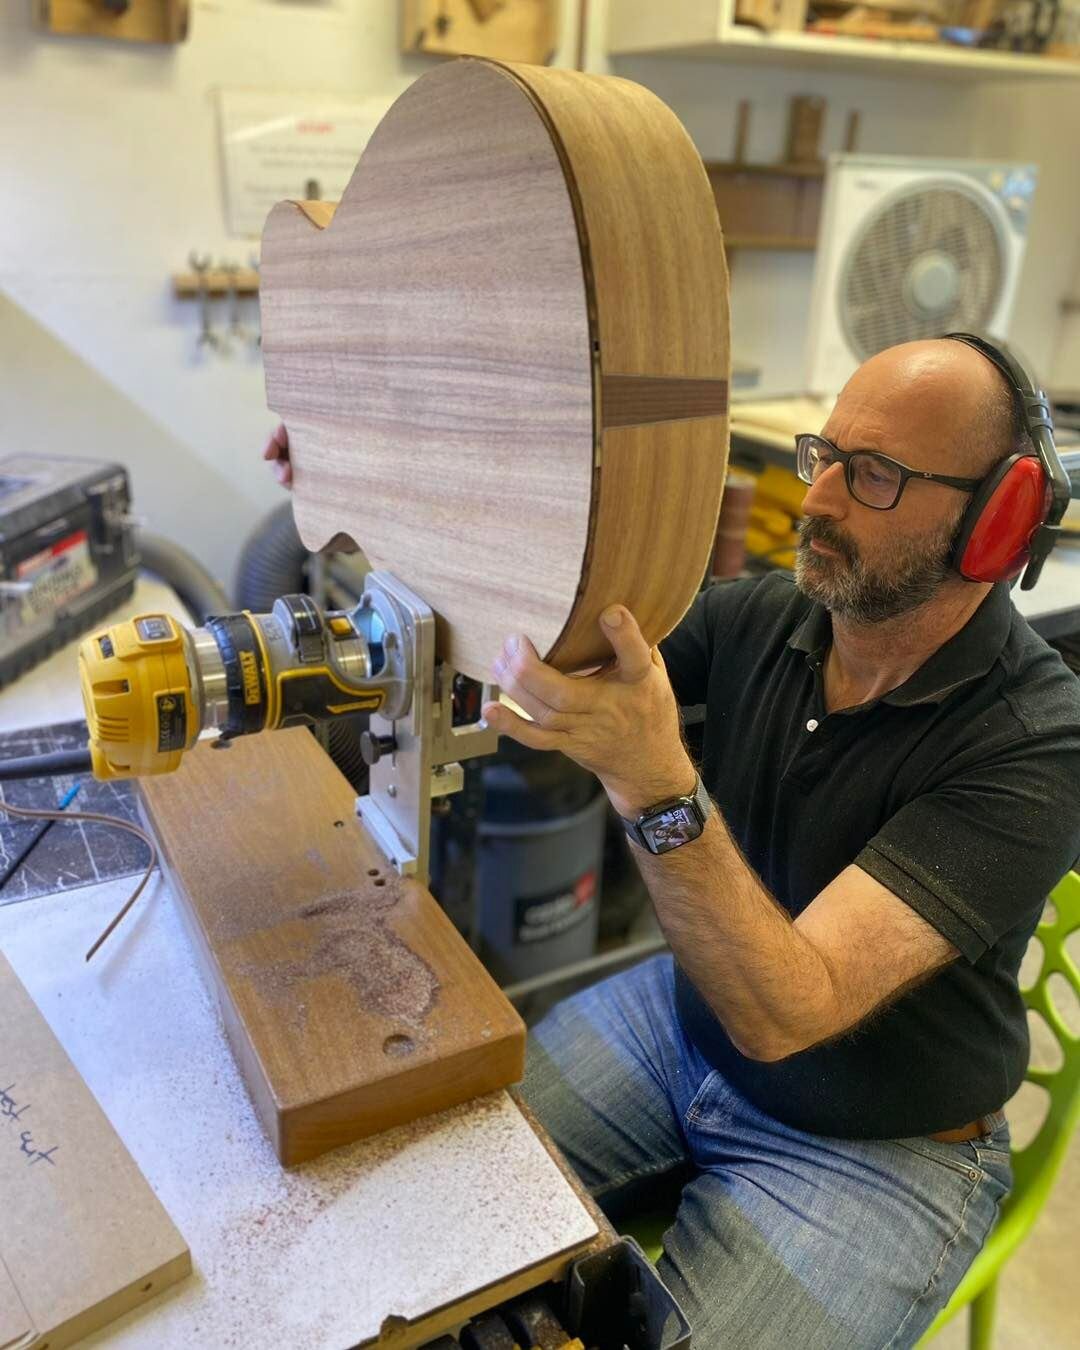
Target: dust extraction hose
{"x": 272, "y": 563}
{"x": 187, "y": 576}
{"x": 45, "y": 766}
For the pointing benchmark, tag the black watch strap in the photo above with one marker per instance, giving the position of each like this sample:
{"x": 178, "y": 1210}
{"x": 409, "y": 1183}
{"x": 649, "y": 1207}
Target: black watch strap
{"x": 701, "y": 803}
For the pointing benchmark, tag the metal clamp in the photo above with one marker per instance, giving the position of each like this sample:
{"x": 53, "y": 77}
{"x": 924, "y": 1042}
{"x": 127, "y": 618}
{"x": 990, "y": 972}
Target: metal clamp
{"x": 421, "y": 761}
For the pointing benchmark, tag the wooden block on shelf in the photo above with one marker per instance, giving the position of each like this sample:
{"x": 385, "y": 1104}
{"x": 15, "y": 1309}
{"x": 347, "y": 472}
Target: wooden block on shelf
{"x": 893, "y": 20}
{"x": 806, "y": 117}
{"x": 772, "y": 15}
{"x": 768, "y": 206}
{"x": 141, "y": 21}
{"x": 502, "y": 30}
{"x": 84, "y": 1239}
{"x": 980, "y": 14}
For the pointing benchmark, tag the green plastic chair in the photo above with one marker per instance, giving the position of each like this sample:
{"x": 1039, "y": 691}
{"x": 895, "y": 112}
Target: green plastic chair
{"x": 1034, "y": 1167}
{"x": 1037, "y": 1164}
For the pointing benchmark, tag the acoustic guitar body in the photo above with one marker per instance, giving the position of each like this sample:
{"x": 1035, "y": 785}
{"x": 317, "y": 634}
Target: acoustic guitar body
{"x": 503, "y": 358}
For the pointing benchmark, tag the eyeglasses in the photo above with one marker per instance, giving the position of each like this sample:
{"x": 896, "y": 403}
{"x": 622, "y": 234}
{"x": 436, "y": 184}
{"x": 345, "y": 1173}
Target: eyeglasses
{"x": 874, "y": 480}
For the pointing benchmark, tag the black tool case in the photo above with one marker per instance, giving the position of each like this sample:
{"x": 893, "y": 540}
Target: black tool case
{"x": 67, "y": 553}
{"x": 610, "y": 1300}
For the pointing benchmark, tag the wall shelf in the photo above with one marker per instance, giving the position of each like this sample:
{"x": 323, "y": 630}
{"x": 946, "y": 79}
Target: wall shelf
{"x": 216, "y": 281}
{"x": 690, "y": 28}
{"x": 767, "y": 206}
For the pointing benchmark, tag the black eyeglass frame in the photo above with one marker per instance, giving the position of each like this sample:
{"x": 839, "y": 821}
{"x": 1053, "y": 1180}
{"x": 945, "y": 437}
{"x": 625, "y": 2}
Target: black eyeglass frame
{"x": 845, "y": 457}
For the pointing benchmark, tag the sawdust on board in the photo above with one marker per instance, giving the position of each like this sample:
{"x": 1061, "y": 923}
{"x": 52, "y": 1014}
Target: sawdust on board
{"x": 354, "y": 940}
{"x": 290, "y": 1200}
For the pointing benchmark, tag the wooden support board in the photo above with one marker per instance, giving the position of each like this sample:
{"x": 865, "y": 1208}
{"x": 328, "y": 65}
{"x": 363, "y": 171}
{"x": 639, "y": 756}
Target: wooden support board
{"x": 83, "y": 1238}
{"x": 140, "y": 21}
{"x": 503, "y": 359}
{"x": 351, "y": 1002}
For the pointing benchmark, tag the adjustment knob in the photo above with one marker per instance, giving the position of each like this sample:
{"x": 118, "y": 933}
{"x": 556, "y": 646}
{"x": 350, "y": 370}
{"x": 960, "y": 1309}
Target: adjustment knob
{"x": 372, "y": 748}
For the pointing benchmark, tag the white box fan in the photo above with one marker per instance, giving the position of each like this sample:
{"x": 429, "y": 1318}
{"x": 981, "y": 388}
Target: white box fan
{"x": 912, "y": 248}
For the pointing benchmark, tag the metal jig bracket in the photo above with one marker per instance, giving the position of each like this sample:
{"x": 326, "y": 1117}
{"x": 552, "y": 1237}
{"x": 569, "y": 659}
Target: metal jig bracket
{"x": 414, "y": 755}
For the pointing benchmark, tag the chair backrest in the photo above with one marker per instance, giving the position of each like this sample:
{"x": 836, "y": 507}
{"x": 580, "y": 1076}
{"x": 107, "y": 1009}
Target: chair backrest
{"x": 1036, "y": 1165}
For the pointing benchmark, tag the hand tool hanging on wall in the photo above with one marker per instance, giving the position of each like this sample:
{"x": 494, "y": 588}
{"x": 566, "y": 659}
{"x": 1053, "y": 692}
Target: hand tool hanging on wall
{"x": 236, "y": 330}
{"x": 207, "y": 336}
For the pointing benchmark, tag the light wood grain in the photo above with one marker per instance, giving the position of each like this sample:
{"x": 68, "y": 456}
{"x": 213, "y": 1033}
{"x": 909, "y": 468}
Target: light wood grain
{"x": 141, "y": 21}
{"x": 512, "y": 238}
{"x": 429, "y": 352}
{"x": 351, "y": 1002}
{"x": 84, "y": 1239}
{"x": 631, "y": 568}
{"x": 653, "y": 254}
{"x": 216, "y": 281}
{"x": 504, "y": 30}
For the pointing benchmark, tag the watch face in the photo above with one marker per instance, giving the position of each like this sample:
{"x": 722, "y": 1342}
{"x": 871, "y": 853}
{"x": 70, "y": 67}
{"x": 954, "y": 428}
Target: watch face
{"x": 668, "y": 829}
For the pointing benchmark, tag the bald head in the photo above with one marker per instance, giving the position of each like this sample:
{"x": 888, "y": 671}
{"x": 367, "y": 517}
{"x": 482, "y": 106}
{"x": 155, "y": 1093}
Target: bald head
{"x": 939, "y": 397}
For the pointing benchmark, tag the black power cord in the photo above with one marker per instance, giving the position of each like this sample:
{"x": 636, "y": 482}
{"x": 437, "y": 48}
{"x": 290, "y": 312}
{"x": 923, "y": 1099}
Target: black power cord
{"x": 45, "y": 766}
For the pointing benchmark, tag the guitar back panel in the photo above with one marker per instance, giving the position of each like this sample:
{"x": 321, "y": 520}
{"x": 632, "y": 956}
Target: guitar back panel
{"x": 503, "y": 358}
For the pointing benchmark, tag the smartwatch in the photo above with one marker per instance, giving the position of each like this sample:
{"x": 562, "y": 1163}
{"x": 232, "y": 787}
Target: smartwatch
{"x": 673, "y": 823}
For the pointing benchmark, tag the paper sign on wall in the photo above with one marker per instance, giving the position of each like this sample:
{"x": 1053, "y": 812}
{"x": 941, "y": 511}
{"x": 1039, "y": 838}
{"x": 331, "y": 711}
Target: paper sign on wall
{"x": 281, "y": 146}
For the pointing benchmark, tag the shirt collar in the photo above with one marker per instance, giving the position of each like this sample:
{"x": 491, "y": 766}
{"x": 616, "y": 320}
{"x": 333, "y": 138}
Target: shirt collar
{"x": 966, "y": 656}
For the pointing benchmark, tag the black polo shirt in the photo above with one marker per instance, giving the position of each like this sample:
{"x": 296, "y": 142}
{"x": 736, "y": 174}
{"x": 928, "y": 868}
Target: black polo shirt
{"x": 959, "y": 791}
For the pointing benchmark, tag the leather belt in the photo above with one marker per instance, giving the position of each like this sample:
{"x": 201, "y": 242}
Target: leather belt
{"x": 984, "y": 1125}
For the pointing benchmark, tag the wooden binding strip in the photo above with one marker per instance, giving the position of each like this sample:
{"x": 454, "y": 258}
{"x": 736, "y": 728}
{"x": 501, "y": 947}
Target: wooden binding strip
{"x": 636, "y": 400}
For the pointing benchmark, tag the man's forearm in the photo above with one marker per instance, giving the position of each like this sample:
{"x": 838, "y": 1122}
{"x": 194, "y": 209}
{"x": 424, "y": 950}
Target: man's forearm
{"x": 766, "y": 982}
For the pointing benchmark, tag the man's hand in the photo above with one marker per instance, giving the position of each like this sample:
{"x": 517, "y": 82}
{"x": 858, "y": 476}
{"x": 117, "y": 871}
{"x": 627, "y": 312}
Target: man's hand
{"x": 622, "y": 723}
{"x": 276, "y": 451}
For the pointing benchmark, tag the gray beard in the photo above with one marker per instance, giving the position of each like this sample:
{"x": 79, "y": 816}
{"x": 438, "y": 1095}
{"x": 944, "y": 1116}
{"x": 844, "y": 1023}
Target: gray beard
{"x": 847, "y": 590}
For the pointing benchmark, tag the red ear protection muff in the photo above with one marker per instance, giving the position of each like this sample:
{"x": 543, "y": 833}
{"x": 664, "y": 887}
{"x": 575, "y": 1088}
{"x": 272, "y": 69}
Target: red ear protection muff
{"x": 1014, "y": 517}
{"x": 993, "y": 543}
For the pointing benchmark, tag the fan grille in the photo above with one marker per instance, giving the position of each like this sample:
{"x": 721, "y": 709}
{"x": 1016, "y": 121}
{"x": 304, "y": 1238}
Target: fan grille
{"x": 929, "y": 260}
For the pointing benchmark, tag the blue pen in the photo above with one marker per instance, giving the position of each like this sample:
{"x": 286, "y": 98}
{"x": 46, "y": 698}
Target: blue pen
{"x": 32, "y": 843}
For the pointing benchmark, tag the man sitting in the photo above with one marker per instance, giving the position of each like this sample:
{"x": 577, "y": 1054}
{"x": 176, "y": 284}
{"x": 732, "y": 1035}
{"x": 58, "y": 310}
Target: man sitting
{"x": 893, "y": 761}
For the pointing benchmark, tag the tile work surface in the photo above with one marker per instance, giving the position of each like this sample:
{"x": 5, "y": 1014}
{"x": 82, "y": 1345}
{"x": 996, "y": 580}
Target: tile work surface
{"x": 73, "y": 853}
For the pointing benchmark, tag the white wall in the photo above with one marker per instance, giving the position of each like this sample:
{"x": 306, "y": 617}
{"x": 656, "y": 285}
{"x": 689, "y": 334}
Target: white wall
{"x": 1065, "y": 372}
{"x": 112, "y": 176}
{"x": 53, "y": 403}
{"x": 1040, "y": 122}
{"x": 1065, "y": 369}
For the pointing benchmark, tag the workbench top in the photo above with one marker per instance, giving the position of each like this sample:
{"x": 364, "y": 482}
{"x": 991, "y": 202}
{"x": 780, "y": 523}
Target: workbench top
{"x": 314, "y": 1258}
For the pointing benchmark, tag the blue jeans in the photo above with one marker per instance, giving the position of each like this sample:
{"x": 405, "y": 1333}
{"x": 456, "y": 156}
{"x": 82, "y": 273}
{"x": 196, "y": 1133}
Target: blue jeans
{"x": 782, "y": 1239}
